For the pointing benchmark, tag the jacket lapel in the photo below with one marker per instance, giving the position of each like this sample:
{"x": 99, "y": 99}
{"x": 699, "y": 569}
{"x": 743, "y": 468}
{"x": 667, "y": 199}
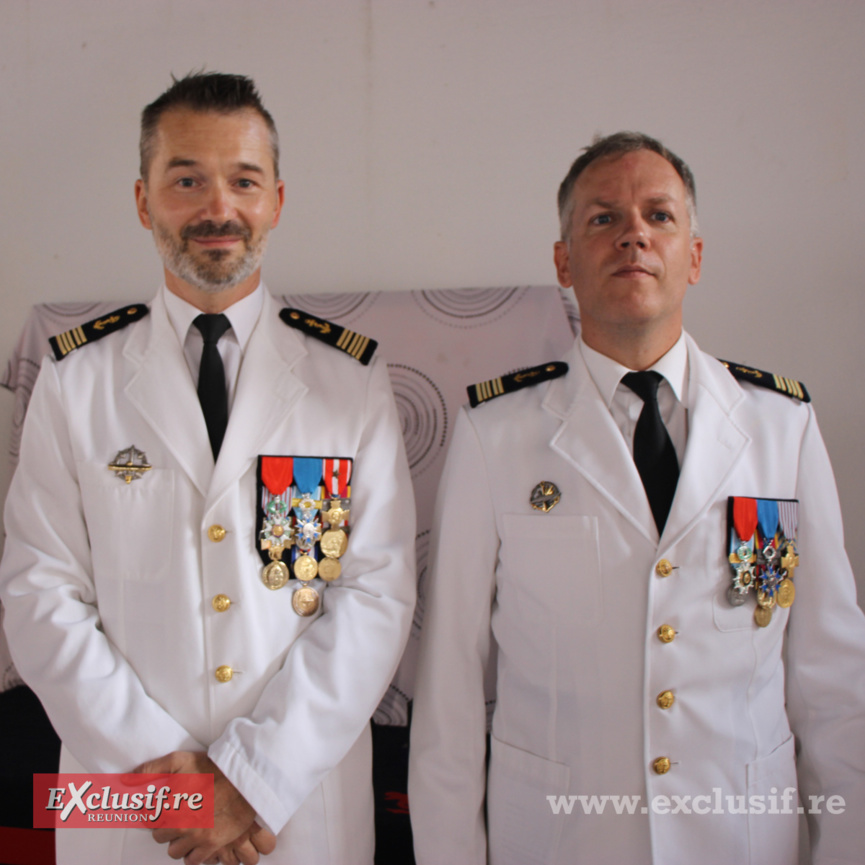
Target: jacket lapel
{"x": 715, "y": 442}
{"x": 266, "y": 394}
{"x": 161, "y": 389}
{"x": 589, "y": 439}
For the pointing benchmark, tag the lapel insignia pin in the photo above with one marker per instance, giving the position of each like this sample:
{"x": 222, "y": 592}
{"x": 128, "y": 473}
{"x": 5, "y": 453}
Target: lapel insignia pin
{"x": 130, "y": 464}
{"x": 545, "y": 496}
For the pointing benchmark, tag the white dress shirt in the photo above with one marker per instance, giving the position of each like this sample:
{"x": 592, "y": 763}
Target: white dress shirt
{"x": 625, "y": 405}
{"x": 243, "y": 317}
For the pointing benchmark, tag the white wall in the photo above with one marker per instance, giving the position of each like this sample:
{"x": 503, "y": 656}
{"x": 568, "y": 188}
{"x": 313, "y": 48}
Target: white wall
{"x": 423, "y": 141}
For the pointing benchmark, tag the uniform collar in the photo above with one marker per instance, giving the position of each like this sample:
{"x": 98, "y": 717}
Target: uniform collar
{"x": 607, "y": 373}
{"x": 243, "y": 315}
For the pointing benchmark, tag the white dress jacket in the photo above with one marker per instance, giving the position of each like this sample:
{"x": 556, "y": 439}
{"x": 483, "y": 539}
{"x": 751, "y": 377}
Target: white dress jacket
{"x": 108, "y": 586}
{"x": 572, "y": 603}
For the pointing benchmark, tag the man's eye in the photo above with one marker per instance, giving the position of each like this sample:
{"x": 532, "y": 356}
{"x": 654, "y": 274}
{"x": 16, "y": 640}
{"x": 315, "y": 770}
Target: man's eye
{"x": 186, "y": 182}
{"x": 245, "y": 183}
{"x": 602, "y": 219}
{"x": 662, "y": 216}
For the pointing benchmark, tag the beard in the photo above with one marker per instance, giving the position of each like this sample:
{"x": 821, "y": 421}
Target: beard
{"x": 210, "y": 270}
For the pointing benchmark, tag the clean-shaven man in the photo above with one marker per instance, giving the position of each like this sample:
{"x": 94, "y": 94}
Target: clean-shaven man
{"x": 644, "y": 546}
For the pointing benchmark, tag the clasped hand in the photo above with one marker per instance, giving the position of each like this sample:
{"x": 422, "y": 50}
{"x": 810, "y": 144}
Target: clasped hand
{"x": 235, "y": 839}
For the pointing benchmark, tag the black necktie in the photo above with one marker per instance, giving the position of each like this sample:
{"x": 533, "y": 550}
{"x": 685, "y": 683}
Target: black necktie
{"x": 654, "y": 453}
{"x": 212, "y": 392}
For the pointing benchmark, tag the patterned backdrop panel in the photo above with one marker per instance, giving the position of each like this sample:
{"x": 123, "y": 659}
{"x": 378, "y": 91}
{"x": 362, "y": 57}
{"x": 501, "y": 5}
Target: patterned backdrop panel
{"x": 422, "y": 413}
{"x": 468, "y": 307}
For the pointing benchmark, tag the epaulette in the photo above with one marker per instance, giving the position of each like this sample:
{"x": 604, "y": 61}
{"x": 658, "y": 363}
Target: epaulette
{"x": 488, "y": 390}
{"x": 360, "y": 347}
{"x": 90, "y": 331}
{"x": 761, "y": 378}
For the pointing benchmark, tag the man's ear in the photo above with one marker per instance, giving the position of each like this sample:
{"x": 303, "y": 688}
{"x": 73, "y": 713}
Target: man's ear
{"x": 141, "y": 204}
{"x": 696, "y": 260}
{"x": 562, "y": 259}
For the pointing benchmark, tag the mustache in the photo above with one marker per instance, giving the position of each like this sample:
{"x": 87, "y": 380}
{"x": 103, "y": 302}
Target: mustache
{"x": 212, "y": 229}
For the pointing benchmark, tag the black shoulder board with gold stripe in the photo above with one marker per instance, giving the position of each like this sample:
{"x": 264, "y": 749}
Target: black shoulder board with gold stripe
{"x": 360, "y": 347}
{"x": 487, "y": 390}
{"x": 90, "y": 331}
{"x": 761, "y": 378}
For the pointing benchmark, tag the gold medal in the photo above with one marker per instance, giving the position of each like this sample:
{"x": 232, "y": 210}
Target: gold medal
{"x": 765, "y": 600}
{"x": 762, "y": 616}
{"x": 786, "y": 593}
{"x": 335, "y": 513}
{"x": 790, "y": 561}
{"x": 305, "y": 568}
{"x": 334, "y": 543}
{"x": 329, "y": 569}
{"x": 275, "y": 575}
{"x": 305, "y": 601}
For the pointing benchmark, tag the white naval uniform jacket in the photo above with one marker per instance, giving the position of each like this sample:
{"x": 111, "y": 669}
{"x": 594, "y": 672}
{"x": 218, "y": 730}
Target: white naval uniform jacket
{"x": 573, "y": 602}
{"x": 108, "y": 586}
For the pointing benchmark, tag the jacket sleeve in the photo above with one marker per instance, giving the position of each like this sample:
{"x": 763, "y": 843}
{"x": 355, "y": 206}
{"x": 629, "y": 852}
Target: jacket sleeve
{"x": 825, "y": 664}
{"x": 322, "y": 698}
{"x": 447, "y": 769}
{"x": 92, "y": 695}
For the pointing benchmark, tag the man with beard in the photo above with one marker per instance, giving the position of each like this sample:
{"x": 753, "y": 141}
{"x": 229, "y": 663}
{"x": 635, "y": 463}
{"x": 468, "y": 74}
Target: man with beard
{"x": 209, "y": 558}
{"x": 642, "y": 547}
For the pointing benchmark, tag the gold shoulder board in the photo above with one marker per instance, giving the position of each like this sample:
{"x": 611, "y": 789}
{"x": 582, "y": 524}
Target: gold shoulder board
{"x": 487, "y": 390}
{"x": 360, "y": 347}
{"x": 90, "y": 331}
{"x": 788, "y": 386}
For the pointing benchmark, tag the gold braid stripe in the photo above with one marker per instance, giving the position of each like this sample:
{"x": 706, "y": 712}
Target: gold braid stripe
{"x": 352, "y": 343}
{"x": 358, "y": 345}
{"x": 488, "y": 389}
{"x": 796, "y": 388}
{"x": 71, "y": 340}
{"x": 788, "y": 385}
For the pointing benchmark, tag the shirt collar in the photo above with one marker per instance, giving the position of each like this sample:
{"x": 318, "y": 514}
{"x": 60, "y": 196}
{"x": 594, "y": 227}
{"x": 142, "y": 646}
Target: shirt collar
{"x": 607, "y": 373}
{"x": 243, "y": 315}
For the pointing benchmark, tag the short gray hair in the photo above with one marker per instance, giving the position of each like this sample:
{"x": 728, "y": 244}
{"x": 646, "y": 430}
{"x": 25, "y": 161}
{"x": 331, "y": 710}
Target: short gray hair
{"x": 618, "y": 144}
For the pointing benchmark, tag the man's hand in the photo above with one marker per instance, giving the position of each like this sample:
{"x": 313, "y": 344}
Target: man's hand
{"x": 235, "y": 836}
{"x": 245, "y": 849}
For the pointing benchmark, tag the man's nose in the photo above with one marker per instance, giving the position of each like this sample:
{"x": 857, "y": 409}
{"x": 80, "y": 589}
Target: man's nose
{"x": 634, "y": 233}
{"x": 219, "y": 206}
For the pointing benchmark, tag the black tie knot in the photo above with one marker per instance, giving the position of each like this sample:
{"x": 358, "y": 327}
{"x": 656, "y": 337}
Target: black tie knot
{"x": 643, "y": 384}
{"x": 212, "y": 327}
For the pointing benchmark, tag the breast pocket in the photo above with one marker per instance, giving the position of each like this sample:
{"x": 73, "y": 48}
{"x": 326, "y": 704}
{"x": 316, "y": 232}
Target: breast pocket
{"x": 549, "y": 557}
{"x": 130, "y": 525}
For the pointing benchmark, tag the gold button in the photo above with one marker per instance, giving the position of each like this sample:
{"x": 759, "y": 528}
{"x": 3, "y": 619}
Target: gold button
{"x": 216, "y": 533}
{"x": 661, "y": 765}
{"x": 220, "y": 603}
{"x": 665, "y": 699}
{"x": 666, "y": 633}
{"x": 224, "y": 673}
{"x": 663, "y": 568}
